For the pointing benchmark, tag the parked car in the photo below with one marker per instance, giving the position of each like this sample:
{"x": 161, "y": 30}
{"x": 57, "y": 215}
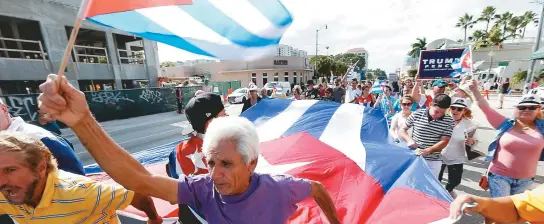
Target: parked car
{"x": 238, "y": 96}
{"x": 285, "y": 86}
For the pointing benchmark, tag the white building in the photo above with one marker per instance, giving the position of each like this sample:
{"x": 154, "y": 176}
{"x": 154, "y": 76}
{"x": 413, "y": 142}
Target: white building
{"x": 286, "y": 50}
{"x": 361, "y": 52}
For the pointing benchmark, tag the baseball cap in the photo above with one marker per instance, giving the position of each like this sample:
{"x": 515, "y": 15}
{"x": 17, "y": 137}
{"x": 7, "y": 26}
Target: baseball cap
{"x": 530, "y": 100}
{"x": 203, "y": 108}
{"x": 440, "y": 83}
{"x": 461, "y": 102}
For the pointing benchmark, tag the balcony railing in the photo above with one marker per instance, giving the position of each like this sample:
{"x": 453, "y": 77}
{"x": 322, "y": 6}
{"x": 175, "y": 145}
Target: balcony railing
{"x": 26, "y": 54}
{"x": 88, "y": 54}
{"x": 132, "y": 57}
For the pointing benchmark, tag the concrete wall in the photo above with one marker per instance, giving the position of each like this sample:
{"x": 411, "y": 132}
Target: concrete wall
{"x": 134, "y": 71}
{"x": 22, "y": 69}
{"x": 179, "y": 72}
{"x": 53, "y": 16}
{"x": 94, "y": 71}
{"x": 245, "y": 76}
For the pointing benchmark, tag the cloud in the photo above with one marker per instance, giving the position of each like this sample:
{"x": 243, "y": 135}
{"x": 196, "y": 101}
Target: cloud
{"x": 386, "y": 28}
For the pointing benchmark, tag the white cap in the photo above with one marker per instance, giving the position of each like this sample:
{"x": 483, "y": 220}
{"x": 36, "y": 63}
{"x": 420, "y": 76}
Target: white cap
{"x": 461, "y": 102}
{"x": 530, "y": 100}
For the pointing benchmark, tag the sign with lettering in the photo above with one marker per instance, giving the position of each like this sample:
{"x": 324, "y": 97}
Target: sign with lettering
{"x": 437, "y": 63}
{"x": 280, "y": 62}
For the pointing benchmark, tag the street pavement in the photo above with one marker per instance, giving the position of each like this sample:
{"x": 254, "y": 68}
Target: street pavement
{"x": 140, "y": 133}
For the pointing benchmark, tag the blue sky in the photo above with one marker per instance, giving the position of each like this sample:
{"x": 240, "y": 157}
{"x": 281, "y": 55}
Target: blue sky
{"x": 386, "y": 28}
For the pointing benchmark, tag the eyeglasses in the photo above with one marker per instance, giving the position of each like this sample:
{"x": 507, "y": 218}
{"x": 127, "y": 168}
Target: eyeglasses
{"x": 527, "y": 108}
{"x": 459, "y": 109}
{"x": 406, "y": 104}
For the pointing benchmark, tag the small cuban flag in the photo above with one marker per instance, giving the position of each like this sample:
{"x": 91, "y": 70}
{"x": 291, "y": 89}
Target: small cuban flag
{"x": 462, "y": 65}
{"x": 377, "y": 87}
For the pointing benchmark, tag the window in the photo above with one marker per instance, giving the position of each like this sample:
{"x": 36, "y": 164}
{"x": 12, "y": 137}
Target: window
{"x": 276, "y": 77}
{"x": 286, "y": 76}
{"x": 265, "y": 78}
{"x": 295, "y": 75}
{"x": 254, "y": 78}
{"x": 295, "y": 80}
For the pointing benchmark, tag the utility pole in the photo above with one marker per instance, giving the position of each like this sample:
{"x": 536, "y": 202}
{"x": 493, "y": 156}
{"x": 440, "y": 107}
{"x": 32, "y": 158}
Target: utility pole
{"x": 316, "y": 44}
{"x": 530, "y": 72}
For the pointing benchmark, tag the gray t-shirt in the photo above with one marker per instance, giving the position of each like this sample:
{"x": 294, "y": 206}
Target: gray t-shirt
{"x": 338, "y": 93}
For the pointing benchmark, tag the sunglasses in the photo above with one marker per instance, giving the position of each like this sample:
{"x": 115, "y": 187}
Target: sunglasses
{"x": 459, "y": 109}
{"x": 406, "y": 104}
{"x": 527, "y": 107}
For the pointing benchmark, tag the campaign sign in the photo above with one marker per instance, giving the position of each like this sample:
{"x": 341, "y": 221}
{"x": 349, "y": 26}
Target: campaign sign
{"x": 437, "y": 63}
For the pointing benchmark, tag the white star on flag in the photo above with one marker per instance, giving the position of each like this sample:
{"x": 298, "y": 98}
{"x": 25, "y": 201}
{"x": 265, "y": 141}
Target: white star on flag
{"x": 264, "y": 167}
{"x": 197, "y": 160}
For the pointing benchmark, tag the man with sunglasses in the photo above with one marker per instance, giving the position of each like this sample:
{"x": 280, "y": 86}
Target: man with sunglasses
{"x": 432, "y": 130}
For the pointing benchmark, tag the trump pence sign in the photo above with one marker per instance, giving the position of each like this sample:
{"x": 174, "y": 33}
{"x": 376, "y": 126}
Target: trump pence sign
{"x": 437, "y": 63}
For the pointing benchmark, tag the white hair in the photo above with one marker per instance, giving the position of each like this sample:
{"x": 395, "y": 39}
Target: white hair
{"x": 199, "y": 92}
{"x": 237, "y": 130}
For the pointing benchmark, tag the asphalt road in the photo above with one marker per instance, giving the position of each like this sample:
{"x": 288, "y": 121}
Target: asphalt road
{"x": 140, "y": 133}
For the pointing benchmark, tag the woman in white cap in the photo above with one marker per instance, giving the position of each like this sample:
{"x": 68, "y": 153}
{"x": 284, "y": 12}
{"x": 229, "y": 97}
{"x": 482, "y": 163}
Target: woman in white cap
{"x": 454, "y": 155}
{"x": 515, "y": 152}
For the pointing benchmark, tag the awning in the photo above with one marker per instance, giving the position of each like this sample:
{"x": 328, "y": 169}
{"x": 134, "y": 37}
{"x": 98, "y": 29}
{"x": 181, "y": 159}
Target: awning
{"x": 538, "y": 54}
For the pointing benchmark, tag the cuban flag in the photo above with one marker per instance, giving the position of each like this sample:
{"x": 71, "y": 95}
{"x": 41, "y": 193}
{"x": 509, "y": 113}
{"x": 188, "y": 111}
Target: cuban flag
{"x": 229, "y": 30}
{"x": 463, "y": 65}
{"x": 348, "y": 149}
{"x": 377, "y": 87}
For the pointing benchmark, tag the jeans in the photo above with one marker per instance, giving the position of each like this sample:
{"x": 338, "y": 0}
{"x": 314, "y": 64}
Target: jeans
{"x": 455, "y": 174}
{"x": 502, "y": 186}
{"x": 434, "y": 166}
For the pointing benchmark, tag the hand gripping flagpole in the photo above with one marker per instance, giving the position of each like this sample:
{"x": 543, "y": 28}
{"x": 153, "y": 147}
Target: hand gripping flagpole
{"x": 82, "y": 13}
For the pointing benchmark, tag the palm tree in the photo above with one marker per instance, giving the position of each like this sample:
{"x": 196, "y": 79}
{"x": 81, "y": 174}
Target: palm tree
{"x": 487, "y": 15}
{"x": 466, "y": 21}
{"x": 496, "y": 37}
{"x": 514, "y": 26}
{"x": 527, "y": 18}
{"x": 503, "y": 20}
{"x": 417, "y": 47}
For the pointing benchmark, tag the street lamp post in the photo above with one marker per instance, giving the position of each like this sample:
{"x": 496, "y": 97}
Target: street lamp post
{"x": 327, "y": 47}
{"x": 491, "y": 55}
{"x": 530, "y": 73}
{"x": 316, "y": 44}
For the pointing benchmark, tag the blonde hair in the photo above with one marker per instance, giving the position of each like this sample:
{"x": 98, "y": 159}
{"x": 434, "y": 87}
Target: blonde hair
{"x": 540, "y": 115}
{"x": 468, "y": 114}
{"x": 33, "y": 151}
{"x": 407, "y": 97}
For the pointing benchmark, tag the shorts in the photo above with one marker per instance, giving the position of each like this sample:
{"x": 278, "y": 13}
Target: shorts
{"x": 502, "y": 186}
{"x": 501, "y": 97}
{"x": 434, "y": 166}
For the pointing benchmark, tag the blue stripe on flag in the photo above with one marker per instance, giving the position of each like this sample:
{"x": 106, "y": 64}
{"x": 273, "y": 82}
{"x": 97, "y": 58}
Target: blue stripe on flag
{"x": 257, "y": 111}
{"x": 222, "y": 24}
{"x": 275, "y": 11}
{"x": 150, "y": 30}
{"x": 314, "y": 120}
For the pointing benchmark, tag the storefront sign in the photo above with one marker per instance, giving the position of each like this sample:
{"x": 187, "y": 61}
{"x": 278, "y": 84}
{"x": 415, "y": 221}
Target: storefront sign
{"x": 280, "y": 62}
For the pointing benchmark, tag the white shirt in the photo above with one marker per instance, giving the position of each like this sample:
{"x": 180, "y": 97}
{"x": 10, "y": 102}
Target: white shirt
{"x": 455, "y": 153}
{"x": 351, "y": 94}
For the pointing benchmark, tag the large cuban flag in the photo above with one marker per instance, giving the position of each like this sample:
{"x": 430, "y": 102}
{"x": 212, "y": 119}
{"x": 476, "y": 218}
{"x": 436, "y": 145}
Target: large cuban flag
{"x": 344, "y": 146}
{"x": 233, "y": 29}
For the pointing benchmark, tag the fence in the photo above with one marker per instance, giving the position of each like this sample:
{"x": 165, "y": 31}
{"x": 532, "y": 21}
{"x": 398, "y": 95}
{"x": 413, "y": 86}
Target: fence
{"x": 109, "y": 104}
{"x": 223, "y": 87}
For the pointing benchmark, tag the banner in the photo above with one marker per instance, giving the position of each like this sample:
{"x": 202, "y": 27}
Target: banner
{"x": 437, "y": 63}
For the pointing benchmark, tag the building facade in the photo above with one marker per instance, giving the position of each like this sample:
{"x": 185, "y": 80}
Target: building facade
{"x": 361, "y": 52}
{"x": 286, "y": 51}
{"x": 33, "y": 38}
{"x": 295, "y": 70}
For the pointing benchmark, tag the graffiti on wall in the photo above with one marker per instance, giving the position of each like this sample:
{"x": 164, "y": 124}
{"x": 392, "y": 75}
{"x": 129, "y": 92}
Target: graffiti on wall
{"x": 25, "y": 106}
{"x": 109, "y": 97}
{"x": 151, "y": 96}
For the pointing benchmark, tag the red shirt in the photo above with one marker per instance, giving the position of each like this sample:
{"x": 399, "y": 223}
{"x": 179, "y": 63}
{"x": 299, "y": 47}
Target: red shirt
{"x": 429, "y": 100}
{"x": 322, "y": 92}
{"x": 190, "y": 158}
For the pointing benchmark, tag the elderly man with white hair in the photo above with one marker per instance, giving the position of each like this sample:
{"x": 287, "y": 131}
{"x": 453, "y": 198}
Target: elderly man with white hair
{"x": 230, "y": 193}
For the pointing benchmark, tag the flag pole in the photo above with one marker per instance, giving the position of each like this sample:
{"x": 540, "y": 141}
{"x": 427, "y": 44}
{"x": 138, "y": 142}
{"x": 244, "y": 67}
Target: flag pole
{"x": 71, "y": 41}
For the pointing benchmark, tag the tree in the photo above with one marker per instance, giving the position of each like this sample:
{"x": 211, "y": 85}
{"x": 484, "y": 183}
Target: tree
{"x": 487, "y": 15}
{"x": 349, "y": 58}
{"x": 519, "y": 77}
{"x": 527, "y": 18}
{"x": 502, "y": 21}
{"x": 465, "y": 22}
{"x": 495, "y": 37}
{"x": 514, "y": 25}
{"x": 479, "y": 35}
{"x": 412, "y": 72}
{"x": 166, "y": 64}
{"x": 417, "y": 47}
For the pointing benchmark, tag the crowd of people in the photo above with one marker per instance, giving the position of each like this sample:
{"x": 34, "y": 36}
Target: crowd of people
{"x": 43, "y": 179}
